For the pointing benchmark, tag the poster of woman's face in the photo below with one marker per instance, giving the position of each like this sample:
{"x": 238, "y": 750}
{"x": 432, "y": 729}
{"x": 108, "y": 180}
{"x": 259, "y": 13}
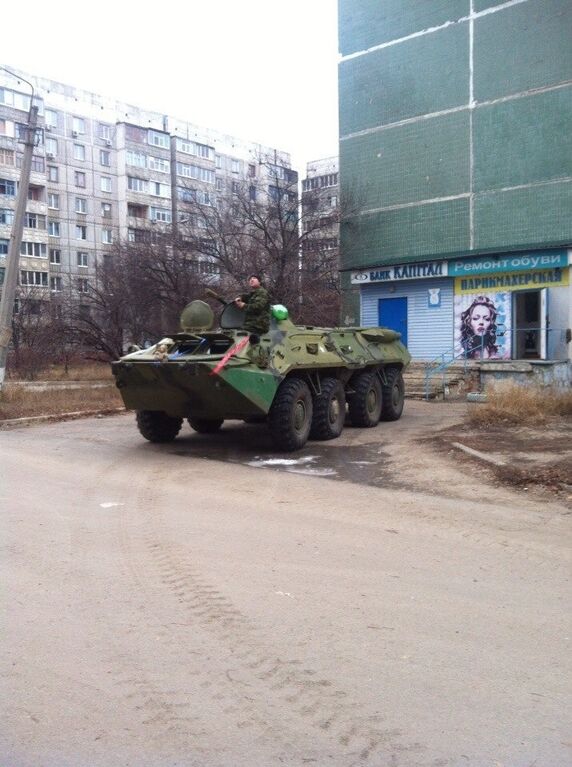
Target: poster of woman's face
{"x": 482, "y": 326}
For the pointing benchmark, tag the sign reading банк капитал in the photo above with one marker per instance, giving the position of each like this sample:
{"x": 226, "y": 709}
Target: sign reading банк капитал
{"x": 422, "y": 270}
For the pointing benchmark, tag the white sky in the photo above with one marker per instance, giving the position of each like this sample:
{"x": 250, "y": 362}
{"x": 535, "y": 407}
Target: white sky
{"x": 261, "y": 70}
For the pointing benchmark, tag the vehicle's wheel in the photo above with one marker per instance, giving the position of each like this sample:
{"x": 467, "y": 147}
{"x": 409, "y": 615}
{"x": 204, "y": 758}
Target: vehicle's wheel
{"x": 392, "y": 395}
{"x": 157, "y": 426}
{"x": 329, "y": 410}
{"x": 365, "y": 401}
{"x": 290, "y": 416}
{"x": 206, "y": 425}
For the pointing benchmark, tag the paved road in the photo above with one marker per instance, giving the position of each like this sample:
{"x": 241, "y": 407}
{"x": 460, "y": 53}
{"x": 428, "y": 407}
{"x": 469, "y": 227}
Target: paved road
{"x": 198, "y": 604}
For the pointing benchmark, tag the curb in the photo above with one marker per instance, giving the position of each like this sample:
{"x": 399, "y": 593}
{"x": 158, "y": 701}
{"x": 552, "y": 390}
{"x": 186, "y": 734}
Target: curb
{"x": 14, "y": 423}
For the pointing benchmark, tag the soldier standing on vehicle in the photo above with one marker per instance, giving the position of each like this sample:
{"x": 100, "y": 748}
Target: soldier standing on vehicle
{"x": 256, "y": 305}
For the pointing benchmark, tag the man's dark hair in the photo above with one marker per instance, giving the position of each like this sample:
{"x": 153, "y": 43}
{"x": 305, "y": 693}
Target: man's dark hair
{"x": 258, "y": 277}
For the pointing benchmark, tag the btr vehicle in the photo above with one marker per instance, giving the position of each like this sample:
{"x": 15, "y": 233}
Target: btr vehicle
{"x": 302, "y": 381}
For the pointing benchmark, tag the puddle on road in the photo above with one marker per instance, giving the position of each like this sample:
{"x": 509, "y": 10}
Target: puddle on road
{"x": 251, "y": 446}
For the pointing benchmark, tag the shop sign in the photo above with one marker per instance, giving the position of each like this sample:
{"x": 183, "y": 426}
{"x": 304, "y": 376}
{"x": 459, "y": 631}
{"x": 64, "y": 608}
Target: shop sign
{"x": 536, "y": 278}
{"x": 508, "y": 263}
{"x": 402, "y": 272}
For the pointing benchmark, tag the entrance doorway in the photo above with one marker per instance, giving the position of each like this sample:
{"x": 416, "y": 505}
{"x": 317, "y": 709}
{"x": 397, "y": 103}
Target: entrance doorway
{"x": 392, "y": 314}
{"x": 529, "y": 324}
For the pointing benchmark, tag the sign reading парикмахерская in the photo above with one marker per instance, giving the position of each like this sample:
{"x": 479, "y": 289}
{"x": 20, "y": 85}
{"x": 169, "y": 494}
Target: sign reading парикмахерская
{"x": 401, "y": 272}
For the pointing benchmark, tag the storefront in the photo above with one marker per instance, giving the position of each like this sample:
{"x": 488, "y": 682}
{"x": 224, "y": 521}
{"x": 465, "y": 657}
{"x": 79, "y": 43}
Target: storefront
{"x": 511, "y": 306}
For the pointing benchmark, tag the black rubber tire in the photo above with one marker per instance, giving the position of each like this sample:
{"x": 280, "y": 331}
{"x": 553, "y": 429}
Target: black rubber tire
{"x": 365, "y": 402}
{"x": 290, "y": 417}
{"x": 392, "y": 395}
{"x": 157, "y": 426}
{"x": 205, "y": 425}
{"x": 329, "y": 410}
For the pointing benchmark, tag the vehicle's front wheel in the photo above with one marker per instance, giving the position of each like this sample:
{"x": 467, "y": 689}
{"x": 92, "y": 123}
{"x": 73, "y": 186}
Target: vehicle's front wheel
{"x": 365, "y": 400}
{"x": 392, "y": 395}
{"x": 329, "y": 410}
{"x": 157, "y": 426}
{"x": 206, "y": 425}
{"x": 290, "y": 416}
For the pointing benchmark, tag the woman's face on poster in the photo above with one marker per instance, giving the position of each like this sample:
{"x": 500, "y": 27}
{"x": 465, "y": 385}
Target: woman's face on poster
{"x": 480, "y": 320}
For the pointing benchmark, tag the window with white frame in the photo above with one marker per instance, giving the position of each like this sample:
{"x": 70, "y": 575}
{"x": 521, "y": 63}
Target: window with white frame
{"x": 78, "y": 125}
{"x": 51, "y": 146}
{"x": 107, "y": 236}
{"x": 6, "y": 127}
{"x": 7, "y": 157}
{"x": 51, "y": 118}
{"x": 56, "y": 284}
{"x": 6, "y": 217}
{"x": 137, "y": 159}
{"x": 106, "y": 210}
{"x": 53, "y": 228}
{"x": 34, "y": 221}
{"x": 159, "y": 190}
{"x": 219, "y": 186}
{"x": 81, "y": 259}
{"x": 55, "y": 256}
{"x": 33, "y": 249}
{"x": 53, "y": 174}
{"x": 105, "y": 184}
{"x": 82, "y": 285}
{"x": 3, "y": 251}
{"x": 135, "y": 184}
{"x": 79, "y": 152}
{"x": 81, "y": 204}
{"x": 7, "y": 187}
{"x": 218, "y": 161}
{"x": 33, "y": 279}
{"x": 81, "y": 232}
{"x": 235, "y": 166}
{"x": 158, "y": 164}
{"x": 53, "y": 200}
{"x": 196, "y": 172}
{"x": 161, "y": 214}
{"x": 79, "y": 178}
{"x": 104, "y": 131}
{"x": 196, "y": 149}
{"x": 105, "y": 157}
{"x": 158, "y": 139}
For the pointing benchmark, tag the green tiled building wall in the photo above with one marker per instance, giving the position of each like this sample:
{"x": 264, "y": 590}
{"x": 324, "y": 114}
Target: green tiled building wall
{"x": 411, "y": 138}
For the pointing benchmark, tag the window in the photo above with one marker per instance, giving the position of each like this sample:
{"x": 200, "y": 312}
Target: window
{"x": 138, "y": 159}
{"x": 195, "y": 171}
{"x": 158, "y": 164}
{"x": 55, "y": 256}
{"x": 81, "y": 257}
{"x": 104, "y": 131}
{"x": 193, "y": 147}
{"x": 51, "y": 147}
{"x": 7, "y": 187}
{"x": 252, "y": 171}
{"x": 81, "y": 205}
{"x": 159, "y": 190}
{"x": 6, "y": 157}
{"x": 195, "y": 195}
{"x": 161, "y": 214}
{"x": 235, "y": 166}
{"x": 106, "y": 209}
{"x": 136, "y": 211}
{"x": 6, "y": 217}
{"x": 78, "y": 125}
{"x": 3, "y": 250}
{"x": 34, "y": 221}
{"x": 34, "y": 279}
{"x": 218, "y": 161}
{"x": 252, "y": 193}
{"x": 6, "y": 128}
{"x": 33, "y": 249}
{"x": 219, "y": 185}
{"x": 333, "y": 201}
{"x": 136, "y": 184}
{"x": 104, "y": 157}
{"x": 36, "y": 193}
{"x": 80, "y": 232}
{"x": 53, "y": 201}
{"x": 53, "y": 174}
{"x": 56, "y": 284}
{"x": 51, "y": 118}
{"x": 235, "y": 187}
{"x": 53, "y": 228}
{"x": 107, "y": 236}
{"x": 82, "y": 285}
{"x": 158, "y": 139}
{"x": 79, "y": 178}
{"x": 105, "y": 185}
{"x": 79, "y": 152}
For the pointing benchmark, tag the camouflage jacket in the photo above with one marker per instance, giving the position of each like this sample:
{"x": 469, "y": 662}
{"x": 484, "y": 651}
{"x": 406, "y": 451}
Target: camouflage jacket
{"x": 257, "y": 311}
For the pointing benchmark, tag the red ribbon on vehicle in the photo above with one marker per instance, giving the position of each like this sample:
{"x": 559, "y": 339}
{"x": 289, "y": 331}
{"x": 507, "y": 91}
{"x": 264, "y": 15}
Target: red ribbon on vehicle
{"x": 230, "y": 353}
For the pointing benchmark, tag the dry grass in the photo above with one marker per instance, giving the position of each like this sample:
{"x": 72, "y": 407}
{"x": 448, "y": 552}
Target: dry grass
{"x": 89, "y": 371}
{"x": 512, "y": 403}
{"x": 19, "y": 402}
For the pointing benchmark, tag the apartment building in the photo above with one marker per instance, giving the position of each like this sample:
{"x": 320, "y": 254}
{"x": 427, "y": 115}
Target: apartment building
{"x": 105, "y": 171}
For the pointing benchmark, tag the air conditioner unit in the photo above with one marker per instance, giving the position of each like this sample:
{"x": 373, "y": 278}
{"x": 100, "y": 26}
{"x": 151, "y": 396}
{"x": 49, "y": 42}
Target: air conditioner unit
{"x": 49, "y": 128}
{"x": 74, "y": 133}
{"x": 107, "y": 142}
{"x": 50, "y": 156}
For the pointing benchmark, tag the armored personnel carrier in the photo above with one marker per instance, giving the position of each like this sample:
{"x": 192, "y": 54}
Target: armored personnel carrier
{"x": 303, "y": 381}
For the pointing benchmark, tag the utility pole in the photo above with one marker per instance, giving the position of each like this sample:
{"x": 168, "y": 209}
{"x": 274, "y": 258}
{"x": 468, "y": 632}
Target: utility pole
{"x": 13, "y": 257}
